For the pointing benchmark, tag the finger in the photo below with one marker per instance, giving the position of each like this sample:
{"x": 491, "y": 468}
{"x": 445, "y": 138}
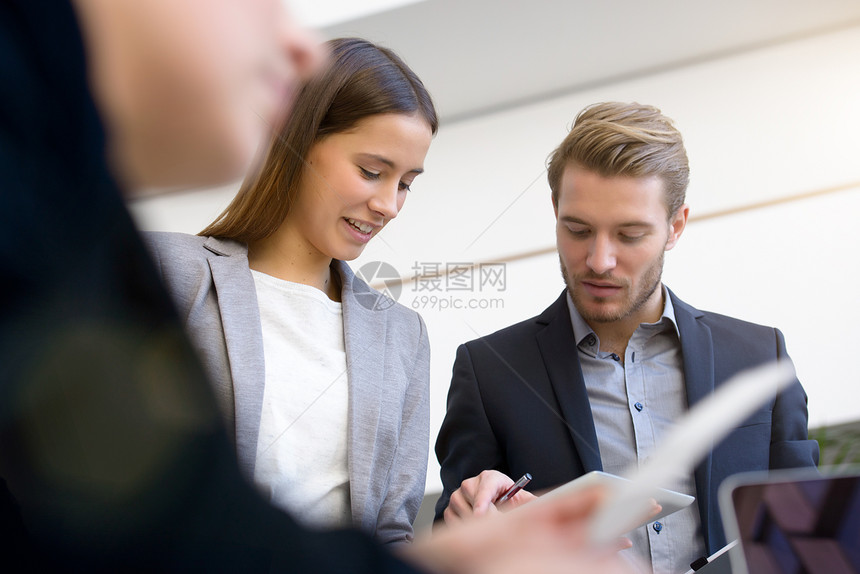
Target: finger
{"x": 579, "y": 504}
{"x": 520, "y": 498}
{"x": 458, "y": 505}
{"x": 490, "y": 486}
{"x": 451, "y": 516}
{"x": 469, "y": 489}
{"x": 623, "y": 543}
{"x": 483, "y": 503}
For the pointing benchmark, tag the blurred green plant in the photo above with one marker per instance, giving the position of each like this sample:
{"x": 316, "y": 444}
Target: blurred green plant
{"x": 839, "y": 444}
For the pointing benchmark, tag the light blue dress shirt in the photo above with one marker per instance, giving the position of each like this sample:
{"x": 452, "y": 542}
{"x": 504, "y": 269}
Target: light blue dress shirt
{"x": 635, "y": 404}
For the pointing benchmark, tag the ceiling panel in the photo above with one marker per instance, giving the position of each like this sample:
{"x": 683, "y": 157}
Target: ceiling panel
{"x": 477, "y": 56}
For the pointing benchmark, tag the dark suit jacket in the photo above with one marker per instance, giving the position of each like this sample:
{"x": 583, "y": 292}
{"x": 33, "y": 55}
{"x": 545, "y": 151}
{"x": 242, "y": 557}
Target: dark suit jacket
{"x": 112, "y": 456}
{"x": 518, "y": 404}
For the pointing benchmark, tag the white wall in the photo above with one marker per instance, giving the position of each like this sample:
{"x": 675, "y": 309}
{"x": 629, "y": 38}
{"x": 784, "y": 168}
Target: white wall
{"x": 759, "y": 126}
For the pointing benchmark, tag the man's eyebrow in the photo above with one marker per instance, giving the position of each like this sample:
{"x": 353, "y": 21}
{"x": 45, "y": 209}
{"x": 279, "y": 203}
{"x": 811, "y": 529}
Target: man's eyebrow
{"x": 388, "y": 162}
{"x": 573, "y": 219}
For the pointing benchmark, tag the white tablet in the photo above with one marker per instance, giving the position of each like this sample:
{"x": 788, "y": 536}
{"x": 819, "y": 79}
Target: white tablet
{"x": 706, "y": 423}
{"x": 670, "y": 500}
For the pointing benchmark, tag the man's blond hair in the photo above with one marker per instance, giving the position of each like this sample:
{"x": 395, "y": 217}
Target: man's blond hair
{"x": 619, "y": 139}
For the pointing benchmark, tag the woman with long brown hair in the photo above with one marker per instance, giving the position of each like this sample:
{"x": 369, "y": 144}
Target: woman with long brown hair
{"x": 326, "y": 395}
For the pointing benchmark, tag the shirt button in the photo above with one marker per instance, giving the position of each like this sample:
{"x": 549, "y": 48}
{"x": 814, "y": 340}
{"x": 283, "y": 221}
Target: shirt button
{"x": 638, "y": 406}
{"x": 615, "y": 357}
{"x": 590, "y": 340}
{"x": 658, "y": 527}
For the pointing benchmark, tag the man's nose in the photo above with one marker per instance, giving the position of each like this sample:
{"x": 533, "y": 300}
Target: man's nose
{"x": 601, "y": 255}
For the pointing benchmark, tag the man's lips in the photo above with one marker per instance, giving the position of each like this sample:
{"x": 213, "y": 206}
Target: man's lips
{"x": 600, "y": 288}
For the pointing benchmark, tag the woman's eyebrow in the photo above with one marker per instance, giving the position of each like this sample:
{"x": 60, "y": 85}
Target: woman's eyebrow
{"x": 388, "y": 162}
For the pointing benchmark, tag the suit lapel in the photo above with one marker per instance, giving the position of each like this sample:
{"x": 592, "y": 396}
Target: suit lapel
{"x": 697, "y": 349}
{"x": 364, "y": 326}
{"x": 558, "y": 349}
{"x": 240, "y": 320}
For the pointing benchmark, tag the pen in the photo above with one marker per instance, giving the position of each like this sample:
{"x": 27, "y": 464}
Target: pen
{"x": 518, "y": 486}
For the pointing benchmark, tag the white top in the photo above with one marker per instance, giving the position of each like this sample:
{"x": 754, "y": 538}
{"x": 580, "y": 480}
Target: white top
{"x": 301, "y": 461}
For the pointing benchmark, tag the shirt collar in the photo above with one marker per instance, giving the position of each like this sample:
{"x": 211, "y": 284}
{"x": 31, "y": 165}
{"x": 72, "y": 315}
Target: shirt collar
{"x": 581, "y": 329}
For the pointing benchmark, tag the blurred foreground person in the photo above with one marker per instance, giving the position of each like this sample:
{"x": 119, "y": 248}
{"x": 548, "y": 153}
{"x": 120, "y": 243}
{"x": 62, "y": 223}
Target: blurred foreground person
{"x": 112, "y": 454}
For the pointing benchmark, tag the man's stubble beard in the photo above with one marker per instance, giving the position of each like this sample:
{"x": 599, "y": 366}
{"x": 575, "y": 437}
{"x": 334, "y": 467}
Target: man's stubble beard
{"x": 651, "y": 279}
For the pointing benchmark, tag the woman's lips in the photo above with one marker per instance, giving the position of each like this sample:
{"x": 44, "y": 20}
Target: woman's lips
{"x": 358, "y": 234}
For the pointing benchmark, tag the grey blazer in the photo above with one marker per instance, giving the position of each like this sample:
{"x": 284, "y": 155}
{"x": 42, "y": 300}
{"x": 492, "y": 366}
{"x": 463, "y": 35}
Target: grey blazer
{"x": 388, "y": 367}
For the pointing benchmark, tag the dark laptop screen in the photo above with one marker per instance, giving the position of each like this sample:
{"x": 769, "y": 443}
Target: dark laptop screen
{"x": 807, "y": 526}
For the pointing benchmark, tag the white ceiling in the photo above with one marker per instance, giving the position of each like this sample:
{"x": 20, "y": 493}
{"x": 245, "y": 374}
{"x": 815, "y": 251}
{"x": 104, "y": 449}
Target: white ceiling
{"x": 477, "y": 56}
{"x": 320, "y": 13}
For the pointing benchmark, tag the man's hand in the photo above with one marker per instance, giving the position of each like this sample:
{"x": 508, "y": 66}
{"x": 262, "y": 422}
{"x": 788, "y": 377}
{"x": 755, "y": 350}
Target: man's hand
{"x": 539, "y": 538}
{"x": 476, "y": 495}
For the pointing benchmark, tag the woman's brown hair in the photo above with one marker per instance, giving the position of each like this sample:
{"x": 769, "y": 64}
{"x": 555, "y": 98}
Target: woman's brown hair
{"x": 359, "y": 80}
